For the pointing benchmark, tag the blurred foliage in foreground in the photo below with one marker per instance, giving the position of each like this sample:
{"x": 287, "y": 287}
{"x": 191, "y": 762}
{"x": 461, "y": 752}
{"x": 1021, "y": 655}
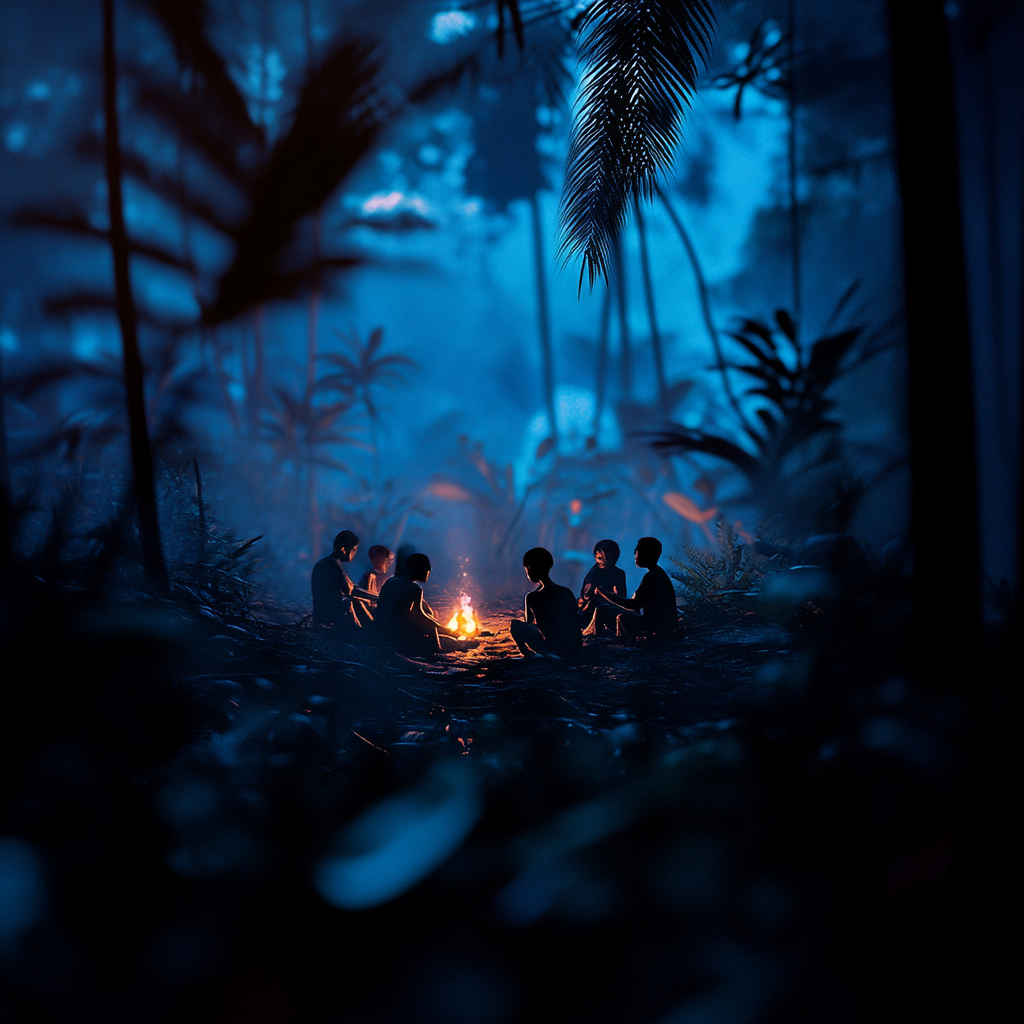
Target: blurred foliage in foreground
{"x": 211, "y": 821}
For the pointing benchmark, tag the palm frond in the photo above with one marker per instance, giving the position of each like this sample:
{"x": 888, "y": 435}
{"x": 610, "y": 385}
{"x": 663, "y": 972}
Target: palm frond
{"x": 78, "y": 224}
{"x": 338, "y": 118}
{"x": 641, "y": 62}
{"x": 185, "y": 22}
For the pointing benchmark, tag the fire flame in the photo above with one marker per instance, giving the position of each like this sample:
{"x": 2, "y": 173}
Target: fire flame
{"x": 464, "y": 620}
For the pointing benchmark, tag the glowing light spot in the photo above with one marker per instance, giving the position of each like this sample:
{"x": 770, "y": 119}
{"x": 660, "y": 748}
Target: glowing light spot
{"x": 22, "y": 890}
{"x": 430, "y": 155}
{"x": 38, "y": 91}
{"x": 390, "y": 202}
{"x": 15, "y": 137}
{"x": 449, "y": 25}
{"x": 399, "y": 841}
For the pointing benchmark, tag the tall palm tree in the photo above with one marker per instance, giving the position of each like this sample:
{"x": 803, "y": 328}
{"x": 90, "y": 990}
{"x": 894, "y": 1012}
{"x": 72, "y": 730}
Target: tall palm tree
{"x": 360, "y": 372}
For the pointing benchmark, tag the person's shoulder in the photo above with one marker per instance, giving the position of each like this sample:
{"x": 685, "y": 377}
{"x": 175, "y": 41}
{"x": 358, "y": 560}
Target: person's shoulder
{"x": 325, "y": 565}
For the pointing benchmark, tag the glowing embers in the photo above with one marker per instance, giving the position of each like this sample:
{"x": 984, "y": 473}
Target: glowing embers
{"x": 464, "y": 620}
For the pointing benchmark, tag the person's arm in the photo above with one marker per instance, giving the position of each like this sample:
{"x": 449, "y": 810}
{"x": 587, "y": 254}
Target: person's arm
{"x": 425, "y": 614}
{"x": 620, "y": 586}
{"x": 528, "y": 611}
{"x": 628, "y": 603}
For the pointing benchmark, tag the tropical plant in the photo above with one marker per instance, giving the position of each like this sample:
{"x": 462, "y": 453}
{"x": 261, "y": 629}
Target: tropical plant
{"x": 360, "y": 372}
{"x": 301, "y": 433}
{"x": 219, "y": 578}
{"x": 640, "y": 64}
{"x": 797, "y": 413}
{"x": 723, "y": 581}
{"x": 490, "y": 489}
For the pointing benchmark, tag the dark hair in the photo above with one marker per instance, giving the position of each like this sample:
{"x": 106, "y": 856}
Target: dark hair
{"x": 417, "y": 566}
{"x": 380, "y": 551}
{"x": 609, "y": 547}
{"x": 538, "y": 558}
{"x": 346, "y": 539}
{"x": 649, "y": 546}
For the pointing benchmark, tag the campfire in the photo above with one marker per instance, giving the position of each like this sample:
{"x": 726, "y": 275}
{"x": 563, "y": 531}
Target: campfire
{"x": 464, "y": 619}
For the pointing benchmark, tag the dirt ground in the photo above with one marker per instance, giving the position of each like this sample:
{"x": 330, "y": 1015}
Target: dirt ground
{"x": 705, "y": 679}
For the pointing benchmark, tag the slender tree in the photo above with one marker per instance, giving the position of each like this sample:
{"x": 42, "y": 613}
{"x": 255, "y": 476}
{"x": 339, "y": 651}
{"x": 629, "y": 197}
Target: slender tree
{"x": 705, "y": 307}
{"x": 544, "y": 316}
{"x": 142, "y": 456}
{"x": 601, "y": 384}
{"x": 622, "y": 308}
{"x": 652, "y": 316}
{"x": 794, "y": 203}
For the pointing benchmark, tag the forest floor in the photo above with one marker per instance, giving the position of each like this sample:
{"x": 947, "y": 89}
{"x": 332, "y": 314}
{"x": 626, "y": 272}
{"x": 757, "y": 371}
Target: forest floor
{"x": 707, "y": 678}
{"x": 230, "y": 814}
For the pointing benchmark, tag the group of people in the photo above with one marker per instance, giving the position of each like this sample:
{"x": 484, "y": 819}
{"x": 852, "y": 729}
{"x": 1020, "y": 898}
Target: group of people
{"x": 555, "y": 620}
{"x": 395, "y": 610}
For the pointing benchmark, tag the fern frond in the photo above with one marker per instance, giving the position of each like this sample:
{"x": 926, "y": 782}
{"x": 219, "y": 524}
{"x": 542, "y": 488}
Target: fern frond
{"x": 641, "y": 62}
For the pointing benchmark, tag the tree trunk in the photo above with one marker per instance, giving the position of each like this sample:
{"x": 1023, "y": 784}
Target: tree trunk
{"x": 794, "y": 207}
{"x": 312, "y": 322}
{"x": 652, "y": 318}
{"x": 142, "y": 457}
{"x": 255, "y": 397}
{"x": 946, "y": 561}
{"x": 602, "y": 367}
{"x": 705, "y": 307}
{"x": 543, "y": 318}
{"x": 622, "y": 304}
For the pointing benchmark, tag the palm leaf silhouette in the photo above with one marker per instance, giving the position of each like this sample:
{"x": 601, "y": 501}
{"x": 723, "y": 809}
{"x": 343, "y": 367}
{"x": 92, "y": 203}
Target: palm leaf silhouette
{"x": 362, "y": 369}
{"x": 336, "y": 121}
{"x": 641, "y": 62}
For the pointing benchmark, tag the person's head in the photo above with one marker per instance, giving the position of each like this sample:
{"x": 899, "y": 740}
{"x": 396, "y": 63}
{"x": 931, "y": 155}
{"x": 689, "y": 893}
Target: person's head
{"x": 606, "y": 553}
{"x": 345, "y": 545}
{"x": 417, "y": 567}
{"x": 380, "y": 557}
{"x": 648, "y": 551}
{"x": 538, "y": 563}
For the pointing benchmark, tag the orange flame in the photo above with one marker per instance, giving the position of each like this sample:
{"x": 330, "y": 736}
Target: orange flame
{"x": 464, "y": 620}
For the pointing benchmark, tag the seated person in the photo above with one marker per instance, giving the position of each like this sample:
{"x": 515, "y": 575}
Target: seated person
{"x": 337, "y": 601}
{"x": 402, "y": 620}
{"x": 380, "y": 560}
{"x": 605, "y": 575}
{"x": 655, "y": 598}
{"x": 552, "y": 626}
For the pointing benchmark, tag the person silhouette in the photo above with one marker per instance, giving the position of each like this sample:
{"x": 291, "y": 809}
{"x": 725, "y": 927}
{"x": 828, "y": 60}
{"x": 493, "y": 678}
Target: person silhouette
{"x": 337, "y": 601}
{"x": 651, "y": 611}
{"x": 605, "y": 574}
{"x": 403, "y": 621}
{"x": 552, "y": 623}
